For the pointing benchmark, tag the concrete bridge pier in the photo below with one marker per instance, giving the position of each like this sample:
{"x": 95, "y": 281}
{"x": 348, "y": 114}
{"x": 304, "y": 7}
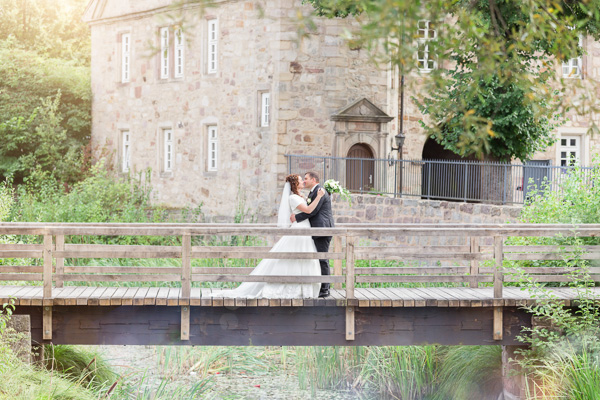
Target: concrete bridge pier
{"x": 513, "y": 380}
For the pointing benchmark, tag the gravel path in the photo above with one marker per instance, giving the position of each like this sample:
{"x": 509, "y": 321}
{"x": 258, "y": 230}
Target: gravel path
{"x": 137, "y": 361}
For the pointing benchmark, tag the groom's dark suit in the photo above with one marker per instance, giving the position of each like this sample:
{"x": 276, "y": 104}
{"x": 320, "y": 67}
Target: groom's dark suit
{"x": 320, "y": 217}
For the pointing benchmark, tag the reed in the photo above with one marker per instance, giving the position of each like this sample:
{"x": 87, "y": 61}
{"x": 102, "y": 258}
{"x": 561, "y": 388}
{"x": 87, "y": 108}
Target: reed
{"x": 79, "y": 364}
{"x": 566, "y": 372}
{"x": 469, "y": 373}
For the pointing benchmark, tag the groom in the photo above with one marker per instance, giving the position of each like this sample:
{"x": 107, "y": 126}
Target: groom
{"x": 320, "y": 217}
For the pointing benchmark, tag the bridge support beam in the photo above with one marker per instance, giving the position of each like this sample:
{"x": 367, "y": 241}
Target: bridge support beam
{"x": 272, "y": 326}
{"x": 498, "y": 317}
{"x": 350, "y": 323}
{"x": 47, "y": 323}
{"x": 185, "y": 323}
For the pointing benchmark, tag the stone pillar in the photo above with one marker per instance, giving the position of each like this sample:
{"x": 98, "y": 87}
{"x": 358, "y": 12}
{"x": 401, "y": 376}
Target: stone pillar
{"x": 18, "y": 336}
{"x": 513, "y": 381}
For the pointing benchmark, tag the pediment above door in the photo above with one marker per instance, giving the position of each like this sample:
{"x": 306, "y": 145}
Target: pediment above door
{"x": 361, "y": 110}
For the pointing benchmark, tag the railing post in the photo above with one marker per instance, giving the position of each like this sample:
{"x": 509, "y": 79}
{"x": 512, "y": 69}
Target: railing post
{"x": 498, "y": 286}
{"x": 47, "y": 291}
{"x": 186, "y": 266}
{"x": 47, "y": 257}
{"x": 60, "y": 261}
{"x": 186, "y": 284}
{"x": 504, "y": 187}
{"x": 474, "y": 263}
{"x": 350, "y": 325}
{"x": 337, "y": 264}
{"x": 395, "y": 179}
{"x": 466, "y": 165}
{"x": 349, "y": 267}
{"x": 498, "y": 273}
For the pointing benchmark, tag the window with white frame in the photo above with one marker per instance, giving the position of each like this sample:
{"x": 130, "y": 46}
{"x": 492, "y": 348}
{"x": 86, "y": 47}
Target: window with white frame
{"x": 569, "y": 150}
{"x": 125, "y": 57}
{"x": 572, "y": 67}
{"x": 167, "y": 150}
{"x": 125, "y": 151}
{"x": 179, "y": 55}
{"x": 265, "y": 104}
{"x": 426, "y": 32}
{"x": 213, "y": 148}
{"x": 164, "y": 53}
{"x": 213, "y": 38}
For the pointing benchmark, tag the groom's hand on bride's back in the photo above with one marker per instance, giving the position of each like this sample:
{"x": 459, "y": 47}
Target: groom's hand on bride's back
{"x": 293, "y": 218}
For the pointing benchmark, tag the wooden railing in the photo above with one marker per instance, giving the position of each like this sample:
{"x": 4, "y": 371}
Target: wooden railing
{"x": 440, "y": 254}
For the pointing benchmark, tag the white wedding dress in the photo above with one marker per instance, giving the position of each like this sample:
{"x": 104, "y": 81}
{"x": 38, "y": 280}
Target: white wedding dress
{"x": 305, "y": 244}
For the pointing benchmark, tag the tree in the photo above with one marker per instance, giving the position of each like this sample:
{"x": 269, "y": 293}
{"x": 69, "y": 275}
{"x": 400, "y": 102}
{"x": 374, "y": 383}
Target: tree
{"x": 498, "y": 54}
{"x": 52, "y": 29}
{"x": 45, "y": 93}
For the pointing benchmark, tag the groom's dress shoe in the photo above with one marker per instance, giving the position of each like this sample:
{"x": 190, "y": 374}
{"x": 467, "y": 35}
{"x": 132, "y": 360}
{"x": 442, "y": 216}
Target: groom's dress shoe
{"x": 323, "y": 294}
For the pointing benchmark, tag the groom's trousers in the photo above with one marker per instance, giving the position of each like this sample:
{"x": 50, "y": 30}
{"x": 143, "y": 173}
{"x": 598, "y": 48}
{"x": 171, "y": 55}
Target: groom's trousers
{"x": 322, "y": 245}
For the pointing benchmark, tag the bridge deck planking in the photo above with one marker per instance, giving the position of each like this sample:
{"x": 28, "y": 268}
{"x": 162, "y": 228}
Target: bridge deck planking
{"x": 365, "y": 297}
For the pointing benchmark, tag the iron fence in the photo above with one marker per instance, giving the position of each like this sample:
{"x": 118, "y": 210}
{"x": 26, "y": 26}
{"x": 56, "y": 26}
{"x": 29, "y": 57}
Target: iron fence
{"x": 458, "y": 180}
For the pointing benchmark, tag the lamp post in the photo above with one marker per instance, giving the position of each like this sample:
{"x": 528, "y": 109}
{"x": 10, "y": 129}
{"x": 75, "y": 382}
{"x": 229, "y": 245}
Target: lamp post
{"x": 399, "y": 138}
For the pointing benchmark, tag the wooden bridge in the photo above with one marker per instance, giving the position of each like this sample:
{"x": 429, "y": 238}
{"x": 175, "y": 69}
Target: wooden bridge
{"x": 392, "y": 284}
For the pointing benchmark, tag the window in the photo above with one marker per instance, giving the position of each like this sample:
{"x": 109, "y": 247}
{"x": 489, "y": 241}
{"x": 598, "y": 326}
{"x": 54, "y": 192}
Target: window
{"x": 168, "y": 150}
{"x": 265, "y": 99}
{"x": 572, "y": 68}
{"x": 570, "y": 150}
{"x": 425, "y": 33}
{"x": 212, "y": 45}
{"x": 179, "y": 53}
{"x": 125, "y": 56}
{"x": 125, "y": 151}
{"x": 213, "y": 148}
{"x": 164, "y": 53}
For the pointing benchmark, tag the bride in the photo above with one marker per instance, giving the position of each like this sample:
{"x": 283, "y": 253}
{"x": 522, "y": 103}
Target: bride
{"x": 291, "y": 202}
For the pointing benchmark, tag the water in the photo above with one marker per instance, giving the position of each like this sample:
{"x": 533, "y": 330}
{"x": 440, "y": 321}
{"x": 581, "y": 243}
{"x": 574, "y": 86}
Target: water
{"x": 255, "y": 374}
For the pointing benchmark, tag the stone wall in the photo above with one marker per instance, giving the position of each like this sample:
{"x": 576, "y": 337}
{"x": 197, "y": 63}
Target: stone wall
{"x": 381, "y": 209}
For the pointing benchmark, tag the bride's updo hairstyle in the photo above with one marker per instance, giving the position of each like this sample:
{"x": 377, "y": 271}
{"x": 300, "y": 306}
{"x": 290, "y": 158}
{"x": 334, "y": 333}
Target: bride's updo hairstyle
{"x": 294, "y": 180}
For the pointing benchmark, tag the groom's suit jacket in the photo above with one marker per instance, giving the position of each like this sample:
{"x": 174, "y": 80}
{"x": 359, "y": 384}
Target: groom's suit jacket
{"x": 321, "y": 215}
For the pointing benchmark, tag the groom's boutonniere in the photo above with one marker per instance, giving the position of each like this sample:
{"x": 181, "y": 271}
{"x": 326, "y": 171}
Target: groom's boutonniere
{"x": 308, "y": 201}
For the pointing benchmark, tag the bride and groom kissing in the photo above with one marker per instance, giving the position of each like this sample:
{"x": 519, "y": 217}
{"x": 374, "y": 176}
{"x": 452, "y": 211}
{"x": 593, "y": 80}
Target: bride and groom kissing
{"x": 294, "y": 212}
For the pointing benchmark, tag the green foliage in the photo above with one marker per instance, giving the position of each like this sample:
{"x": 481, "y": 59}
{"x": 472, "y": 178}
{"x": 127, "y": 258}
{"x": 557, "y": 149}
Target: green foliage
{"x": 45, "y": 94}
{"x": 405, "y": 372}
{"x": 28, "y": 151}
{"x": 52, "y": 29}
{"x": 27, "y": 78}
{"x": 516, "y": 126}
{"x": 86, "y": 367}
{"x": 576, "y": 202}
{"x": 98, "y": 198}
{"x": 469, "y": 373}
{"x": 493, "y": 93}
{"x": 561, "y": 362}
{"x": 23, "y": 381}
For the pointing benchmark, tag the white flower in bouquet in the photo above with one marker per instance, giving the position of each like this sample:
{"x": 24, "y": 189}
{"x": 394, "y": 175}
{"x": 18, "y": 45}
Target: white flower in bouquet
{"x": 334, "y": 187}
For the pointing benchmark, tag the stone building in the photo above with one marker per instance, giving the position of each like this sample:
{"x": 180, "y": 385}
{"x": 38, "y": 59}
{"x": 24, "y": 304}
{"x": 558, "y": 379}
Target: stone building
{"x": 209, "y": 102}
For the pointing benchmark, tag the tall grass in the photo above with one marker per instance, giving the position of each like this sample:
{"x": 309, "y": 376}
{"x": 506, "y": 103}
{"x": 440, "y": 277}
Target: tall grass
{"x": 469, "y": 373}
{"x": 407, "y": 372}
{"x": 80, "y": 365}
{"x": 566, "y": 372}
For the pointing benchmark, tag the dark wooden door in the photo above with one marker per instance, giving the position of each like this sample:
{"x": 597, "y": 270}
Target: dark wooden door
{"x": 360, "y": 170}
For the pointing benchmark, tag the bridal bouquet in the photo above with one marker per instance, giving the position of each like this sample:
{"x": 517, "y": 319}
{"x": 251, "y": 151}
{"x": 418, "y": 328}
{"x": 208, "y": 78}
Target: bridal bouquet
{"x": 334, "y": 187}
